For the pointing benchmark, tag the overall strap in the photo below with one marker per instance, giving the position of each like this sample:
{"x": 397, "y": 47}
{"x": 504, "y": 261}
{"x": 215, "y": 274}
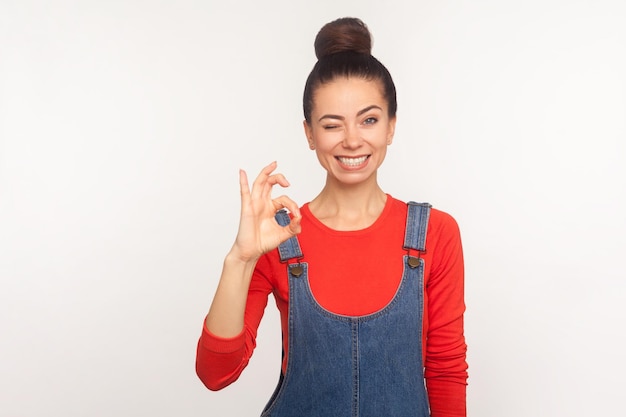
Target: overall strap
{"x": 290, "y": 248}
{"x": 416, "y": 226}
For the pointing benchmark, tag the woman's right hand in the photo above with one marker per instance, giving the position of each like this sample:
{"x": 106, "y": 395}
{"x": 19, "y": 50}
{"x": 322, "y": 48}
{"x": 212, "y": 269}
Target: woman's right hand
{"x": 258, "y": 230}
{"x": 258, "y": 233}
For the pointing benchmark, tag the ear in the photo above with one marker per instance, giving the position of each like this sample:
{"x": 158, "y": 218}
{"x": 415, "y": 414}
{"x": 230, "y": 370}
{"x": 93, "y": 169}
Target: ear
{"x": 391, "y": 130}
{"x": 308, "y": 133}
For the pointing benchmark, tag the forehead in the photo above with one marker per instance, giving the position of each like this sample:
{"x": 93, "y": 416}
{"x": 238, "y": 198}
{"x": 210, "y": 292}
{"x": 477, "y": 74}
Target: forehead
{"x": 348, "y": 93}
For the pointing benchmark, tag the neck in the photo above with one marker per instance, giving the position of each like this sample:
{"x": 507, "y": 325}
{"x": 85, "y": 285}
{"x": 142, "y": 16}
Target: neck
{"x": 349, "y": 207}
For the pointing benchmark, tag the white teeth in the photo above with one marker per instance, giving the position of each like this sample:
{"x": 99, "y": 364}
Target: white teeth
{"x": 352, "y": 161}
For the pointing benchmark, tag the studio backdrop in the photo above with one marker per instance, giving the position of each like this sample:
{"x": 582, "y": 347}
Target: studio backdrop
{"x": 123, "y": 125}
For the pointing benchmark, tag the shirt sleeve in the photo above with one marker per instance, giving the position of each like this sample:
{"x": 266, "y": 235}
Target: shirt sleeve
{"x": 220, "y": 361}
{"x": 445, "y": 365}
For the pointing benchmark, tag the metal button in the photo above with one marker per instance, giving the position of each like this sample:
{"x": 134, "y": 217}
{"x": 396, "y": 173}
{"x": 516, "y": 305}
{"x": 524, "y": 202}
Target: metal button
{"x": 414, "y": 262}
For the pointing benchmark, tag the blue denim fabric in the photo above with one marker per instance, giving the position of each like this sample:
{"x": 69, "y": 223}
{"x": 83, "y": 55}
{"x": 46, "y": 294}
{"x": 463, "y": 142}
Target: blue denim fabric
{"x": 365, "y": 366}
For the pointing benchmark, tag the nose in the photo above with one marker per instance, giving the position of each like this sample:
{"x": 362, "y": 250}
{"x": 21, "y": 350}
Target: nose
{"x": 352, "y": 138}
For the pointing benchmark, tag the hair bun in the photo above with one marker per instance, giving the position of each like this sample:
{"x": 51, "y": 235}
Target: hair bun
{"x": 347, "y": 34}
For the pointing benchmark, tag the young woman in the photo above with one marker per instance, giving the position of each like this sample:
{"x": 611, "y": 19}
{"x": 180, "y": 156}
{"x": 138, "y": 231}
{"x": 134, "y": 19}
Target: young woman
{"x": 369, "y": 288}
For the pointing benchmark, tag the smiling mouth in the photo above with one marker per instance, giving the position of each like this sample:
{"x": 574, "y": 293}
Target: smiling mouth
{"x": 352, "y": 162}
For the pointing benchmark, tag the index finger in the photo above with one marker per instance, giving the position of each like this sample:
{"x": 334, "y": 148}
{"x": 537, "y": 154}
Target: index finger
{"x": 260, "y": 181}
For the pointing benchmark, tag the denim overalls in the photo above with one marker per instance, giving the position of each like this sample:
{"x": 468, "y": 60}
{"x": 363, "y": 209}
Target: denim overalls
{"x": 364, "y": 366}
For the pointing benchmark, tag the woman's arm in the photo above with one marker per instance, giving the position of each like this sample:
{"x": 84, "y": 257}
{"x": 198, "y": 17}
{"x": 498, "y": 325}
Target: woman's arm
{"x": 446, "y": 366}
{"x": 258, "y": 233}
{"x": 220, "y": 361}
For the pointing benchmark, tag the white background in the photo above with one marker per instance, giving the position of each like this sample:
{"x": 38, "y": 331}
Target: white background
{"x": 122, "y": 128}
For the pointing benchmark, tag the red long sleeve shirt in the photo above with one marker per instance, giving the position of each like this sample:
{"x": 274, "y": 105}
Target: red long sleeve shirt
{"x": 357, "y": 273}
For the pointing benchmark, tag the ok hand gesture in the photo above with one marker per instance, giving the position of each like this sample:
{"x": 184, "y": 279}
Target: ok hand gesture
{"x": 258, "y": 230}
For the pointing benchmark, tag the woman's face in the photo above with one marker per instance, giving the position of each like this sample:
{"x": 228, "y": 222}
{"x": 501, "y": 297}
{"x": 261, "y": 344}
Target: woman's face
{"x": 350, "y": 128}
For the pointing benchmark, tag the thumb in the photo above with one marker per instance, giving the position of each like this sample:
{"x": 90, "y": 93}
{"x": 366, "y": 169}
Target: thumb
{"x": 294, "y": 226}
{"x": 290, "y": 230}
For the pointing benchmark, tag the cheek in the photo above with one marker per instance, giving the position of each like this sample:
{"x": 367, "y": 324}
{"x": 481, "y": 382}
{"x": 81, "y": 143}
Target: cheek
{"x": 326, "y": 141}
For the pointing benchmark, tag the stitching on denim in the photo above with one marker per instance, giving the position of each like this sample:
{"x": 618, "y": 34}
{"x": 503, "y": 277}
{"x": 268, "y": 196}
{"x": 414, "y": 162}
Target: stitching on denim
{"x": 415, "y": 237}
{"x": 355, "y": 368}
{"x": 287, "y": 376}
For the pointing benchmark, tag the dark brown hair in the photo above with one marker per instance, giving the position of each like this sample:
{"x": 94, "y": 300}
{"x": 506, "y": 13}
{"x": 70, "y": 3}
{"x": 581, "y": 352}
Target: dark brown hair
{"x": 343, "y": 48}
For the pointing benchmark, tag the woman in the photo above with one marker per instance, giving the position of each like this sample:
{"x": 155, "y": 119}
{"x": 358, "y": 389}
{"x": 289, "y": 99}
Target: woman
{"x": 369, "y": 310}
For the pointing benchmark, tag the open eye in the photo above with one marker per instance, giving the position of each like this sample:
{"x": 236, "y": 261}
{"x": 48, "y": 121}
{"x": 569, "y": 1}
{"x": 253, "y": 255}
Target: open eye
{"x": 370, "y": 121}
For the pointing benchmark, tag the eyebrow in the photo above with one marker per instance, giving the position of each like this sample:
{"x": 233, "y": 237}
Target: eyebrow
{"x": 360, "y": 112}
